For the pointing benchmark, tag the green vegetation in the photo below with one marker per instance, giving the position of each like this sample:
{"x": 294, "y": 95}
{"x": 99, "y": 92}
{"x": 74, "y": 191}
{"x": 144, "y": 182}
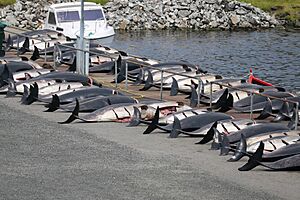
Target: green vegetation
{"x": 102, "y": 2}
{"x": 283, "y": 9}
{"x": 6, "y": 2}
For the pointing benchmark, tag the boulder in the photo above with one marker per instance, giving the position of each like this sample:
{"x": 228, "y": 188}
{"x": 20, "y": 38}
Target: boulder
{"x": 11, "y": 20}
{"x": 183, "y": 13}
{"x": 123, "y": 24}
{"x": 245, "y": 24}
{"x": 242, "y": 11}
{"x": 235, "y": 19}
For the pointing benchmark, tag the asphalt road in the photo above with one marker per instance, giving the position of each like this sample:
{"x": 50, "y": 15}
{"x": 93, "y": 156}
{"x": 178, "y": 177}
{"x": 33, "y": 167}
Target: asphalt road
{"x": 41, "y": 159}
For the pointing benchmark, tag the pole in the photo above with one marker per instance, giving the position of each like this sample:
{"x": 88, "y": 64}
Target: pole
{"x": 199, "y": 90}
{"x": 210, "y": 95}
{"x": 54, "y": 56}
{"x": 18, "y": 46}
{"x": 81, "y": 45}
{"x": 161, "y": 84}
{"x": 126, "y": 76}
{"x": 116, "y": 73}
{"x": 84, "y": 66}
{"x": 296, "y": 116}
{"x": 45, "y": 53}
{"x": 251, "y": 106}
{"x": 86, "y": 57}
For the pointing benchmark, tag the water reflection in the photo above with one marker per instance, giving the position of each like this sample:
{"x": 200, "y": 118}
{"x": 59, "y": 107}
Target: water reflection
{"x": 273, "y": 54}
{"x": 107, "y": 41}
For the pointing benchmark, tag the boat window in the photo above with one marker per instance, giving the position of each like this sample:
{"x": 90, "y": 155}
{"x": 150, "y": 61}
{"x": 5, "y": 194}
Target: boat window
{"x": 67, "y": 16}
{"x": 51, "y": 19}
{"x": 93, "y": 15}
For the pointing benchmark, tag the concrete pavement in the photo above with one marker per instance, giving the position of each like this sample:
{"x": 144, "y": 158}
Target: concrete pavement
{"x": 41, "y": 159}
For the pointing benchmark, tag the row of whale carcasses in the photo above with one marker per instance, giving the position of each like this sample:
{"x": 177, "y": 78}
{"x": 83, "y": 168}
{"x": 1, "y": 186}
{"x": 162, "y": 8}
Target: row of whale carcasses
{"x": 273, "y": 145}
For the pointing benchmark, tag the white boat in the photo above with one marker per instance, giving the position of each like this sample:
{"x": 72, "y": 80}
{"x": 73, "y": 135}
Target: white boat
{"x": 65, "y": 18}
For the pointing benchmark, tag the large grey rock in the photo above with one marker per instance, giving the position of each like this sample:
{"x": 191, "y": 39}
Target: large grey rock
{"x": 183, "y": 13}
{"x": 211, "y": 1}
{"x": 224, "y": 26}
{"x": 136, "y": 18}
{"x": 11, "y": 20}
{"x": 18, "y": 6}
{"x": 183, "y": 24}
{"x": 213, "y": 24}
{"x": 235, "y": 19}
{"x": 245, "y": 24}
{"x": 242, "y": 11}
{"x": 123, "y": 24}
{"x": 158, "y": 11}
{"x": 254, "y": 20}
{"x": 230, "y": 6}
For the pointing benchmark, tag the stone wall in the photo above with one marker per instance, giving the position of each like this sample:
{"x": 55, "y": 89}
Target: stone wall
{"x": 154, "y": 14}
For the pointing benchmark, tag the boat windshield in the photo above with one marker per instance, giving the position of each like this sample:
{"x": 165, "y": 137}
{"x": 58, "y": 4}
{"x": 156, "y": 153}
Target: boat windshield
{"x": 68, "y": 16}
{"x": 91, "y": 15}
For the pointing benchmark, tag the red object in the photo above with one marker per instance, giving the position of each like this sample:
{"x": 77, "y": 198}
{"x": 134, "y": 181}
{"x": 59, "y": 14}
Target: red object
{"x": 253, "y": 80}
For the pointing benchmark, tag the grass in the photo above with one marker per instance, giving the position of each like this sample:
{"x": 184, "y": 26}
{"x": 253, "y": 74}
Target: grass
{"x": 6, "y": 2}
{"x": 102, "y": 2}
{"x": 283, "y": 9}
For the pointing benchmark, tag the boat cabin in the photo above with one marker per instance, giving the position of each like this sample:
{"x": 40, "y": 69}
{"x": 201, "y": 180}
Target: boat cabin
{"x": 65, "y": 18}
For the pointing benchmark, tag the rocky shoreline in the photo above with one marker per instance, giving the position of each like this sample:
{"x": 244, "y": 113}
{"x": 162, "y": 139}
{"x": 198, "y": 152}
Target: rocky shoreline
{"x": 190, "y": 14}
{"x": 154, "y": 14}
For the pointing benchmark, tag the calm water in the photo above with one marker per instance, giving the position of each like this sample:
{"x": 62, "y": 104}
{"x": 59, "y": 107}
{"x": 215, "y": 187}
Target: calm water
{"x": 274, "y": 55}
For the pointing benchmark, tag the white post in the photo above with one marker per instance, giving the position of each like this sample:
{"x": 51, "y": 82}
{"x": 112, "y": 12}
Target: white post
{"x": 45, "y": 53}
{"x": 251, "y": 105}
{"x": 199, "y": 91}
{"x": 210, "y": 95}
{"x": 126, "y": 76}
{"x": 78, "y": 57}
{"x": 86, "y": 57}
{"x": 18, "y": 45}
{"x": 116, "y": 73}
{"x": 81, "y": 44}
{"x": 161, "y": 84}
{"x": 296, "y": 116}
{"x": 54, "y": 56}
